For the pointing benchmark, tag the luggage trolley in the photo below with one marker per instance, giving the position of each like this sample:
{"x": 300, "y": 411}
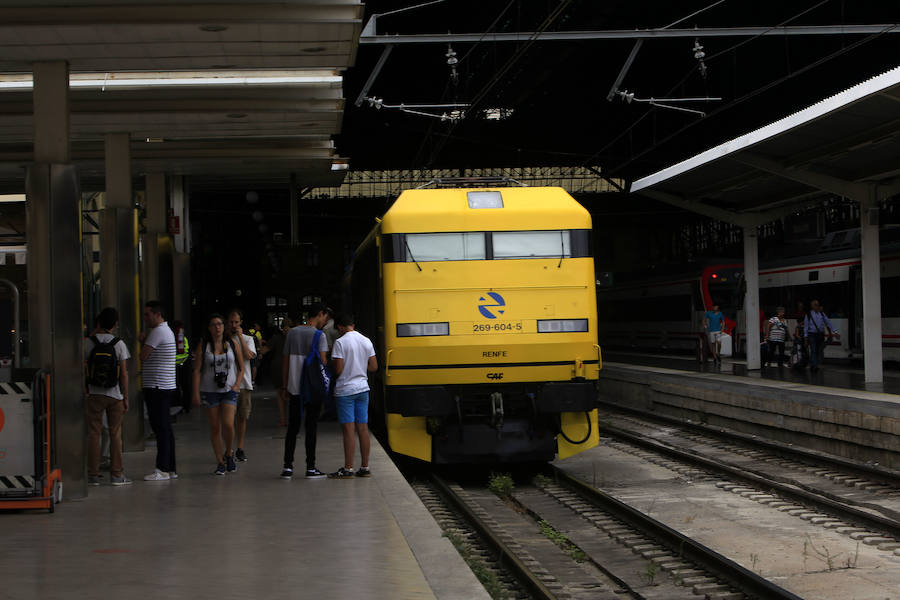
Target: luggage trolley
{"x": 28, "y": 477}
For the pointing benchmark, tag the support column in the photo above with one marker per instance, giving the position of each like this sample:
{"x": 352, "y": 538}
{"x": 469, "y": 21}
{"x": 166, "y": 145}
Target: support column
{"x": 155, "y": 226}
{"x": 751, "y": 298}
{"x": 119, "y": 283}
{"x": 181, "y": 258}
{"x": 871, "y": 287}
{"x": 295, "y": 212}
{"x": 55, "y": 319}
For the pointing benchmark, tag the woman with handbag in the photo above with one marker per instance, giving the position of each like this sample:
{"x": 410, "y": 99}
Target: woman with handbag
{"x": 218, "y": 372}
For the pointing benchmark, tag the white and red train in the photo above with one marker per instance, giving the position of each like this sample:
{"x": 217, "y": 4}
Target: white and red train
{"x": 665, "y": 312}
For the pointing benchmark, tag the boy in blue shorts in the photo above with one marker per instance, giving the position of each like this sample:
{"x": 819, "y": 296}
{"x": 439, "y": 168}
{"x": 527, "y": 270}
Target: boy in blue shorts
{"x": 353, "y": 358}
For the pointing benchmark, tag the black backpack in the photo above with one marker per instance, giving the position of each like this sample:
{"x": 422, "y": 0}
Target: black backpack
{"x": 103, "y": 365}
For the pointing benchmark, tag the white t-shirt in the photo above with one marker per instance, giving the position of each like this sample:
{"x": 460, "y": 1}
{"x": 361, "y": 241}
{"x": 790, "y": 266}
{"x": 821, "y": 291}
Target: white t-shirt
{"x": 158, "y": 370}
{"x": 247, "y": 383}
{"x": 218, "y": 363}
{"x": 121, "y": 354}
{"x": 355, "y": 349}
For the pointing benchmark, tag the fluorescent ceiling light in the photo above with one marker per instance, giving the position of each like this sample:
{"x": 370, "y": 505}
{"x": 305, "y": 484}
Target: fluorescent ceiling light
{"x": 12, "y": 197}
{"x": 24, "y": 82}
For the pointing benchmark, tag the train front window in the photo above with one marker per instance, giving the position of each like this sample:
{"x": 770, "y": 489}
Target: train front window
{"x": 425, "y": 247}
{"x": 532, "y": 244}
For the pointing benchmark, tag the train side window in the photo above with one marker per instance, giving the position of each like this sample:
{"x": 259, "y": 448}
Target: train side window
{"x": 425, "y": 247}
{"x": 532, "y": 244}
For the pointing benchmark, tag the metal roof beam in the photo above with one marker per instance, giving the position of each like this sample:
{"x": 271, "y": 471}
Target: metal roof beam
{"x": 713, "y": 212}
{"x": 821, "y": 181}
{"x": 627, "y": 34}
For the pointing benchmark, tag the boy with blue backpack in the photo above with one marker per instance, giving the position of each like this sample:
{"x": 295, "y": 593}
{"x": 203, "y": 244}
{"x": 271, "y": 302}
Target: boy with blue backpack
{"x": 306, "y": 379}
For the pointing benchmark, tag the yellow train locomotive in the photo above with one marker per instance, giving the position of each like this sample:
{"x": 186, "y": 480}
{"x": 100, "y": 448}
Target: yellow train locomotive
{"x": 484, "y": 306}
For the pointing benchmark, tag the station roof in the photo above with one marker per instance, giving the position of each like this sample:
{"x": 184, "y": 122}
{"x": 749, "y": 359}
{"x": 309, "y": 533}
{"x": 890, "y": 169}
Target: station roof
{"x": 218, "y": 130}
{"x": 843, "y": 145}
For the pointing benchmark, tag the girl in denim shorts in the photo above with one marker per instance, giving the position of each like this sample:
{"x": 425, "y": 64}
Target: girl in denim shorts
{"x": 218, "y": 372}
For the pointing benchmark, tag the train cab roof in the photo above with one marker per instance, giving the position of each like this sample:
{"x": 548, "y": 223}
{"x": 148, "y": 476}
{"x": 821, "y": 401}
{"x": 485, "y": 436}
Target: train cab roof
{"x": 485, "y": 209}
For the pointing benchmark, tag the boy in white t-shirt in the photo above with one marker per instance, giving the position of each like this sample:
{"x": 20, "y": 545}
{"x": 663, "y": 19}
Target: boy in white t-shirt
{"x": 111, "y": 400}
{"x": 353, "y": 357}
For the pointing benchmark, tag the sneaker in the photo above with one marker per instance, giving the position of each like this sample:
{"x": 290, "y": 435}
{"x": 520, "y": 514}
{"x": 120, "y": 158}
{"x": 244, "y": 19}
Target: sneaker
{"x": 229, "y": 462}
{"x": 240, "y": 456}
{"x": 120, "y": 480}
{"x": 173, "y": 475}
{"x": 157, "y": 475}
{"x": 287, "y": 473}
{"x": 220, "y": 469}
{"x": 341, "y": 473}
{"x": 363, "y": 472}
{"x": 315, "y": 474}
{"x": 94, "y": 480}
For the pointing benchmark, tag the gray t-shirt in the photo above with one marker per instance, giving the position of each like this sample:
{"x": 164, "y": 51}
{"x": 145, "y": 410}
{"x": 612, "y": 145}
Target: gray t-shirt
{"x": 296, "y": 346}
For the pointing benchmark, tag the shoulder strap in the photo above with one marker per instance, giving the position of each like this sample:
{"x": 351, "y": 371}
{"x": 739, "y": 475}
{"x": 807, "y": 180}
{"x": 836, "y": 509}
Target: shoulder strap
{"x": 115, "y": 341}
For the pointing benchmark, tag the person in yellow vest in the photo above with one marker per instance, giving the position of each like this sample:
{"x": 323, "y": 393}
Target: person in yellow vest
{"x": 182, "y": 368}
{"x": 256, "y": 333}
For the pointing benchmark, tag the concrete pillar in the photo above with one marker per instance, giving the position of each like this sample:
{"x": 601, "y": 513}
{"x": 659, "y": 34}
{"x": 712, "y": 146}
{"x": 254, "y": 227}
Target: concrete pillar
{"x": 53, "y": 224}
{"x": 295, "y": 211}
{"x": 871, "y": 287}
{"x": 751, "y": 299}
{"x": 119, "y": 281}
{"x": 180, "y": 253}
{"x": 155, "y": 226}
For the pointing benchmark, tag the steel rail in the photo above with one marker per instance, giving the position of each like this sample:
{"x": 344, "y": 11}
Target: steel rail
{"x": 844, "y": 511}
{"x": 741, "y": 578}
{"x": 873, "y": 472}
{"x": 506, "y": 557}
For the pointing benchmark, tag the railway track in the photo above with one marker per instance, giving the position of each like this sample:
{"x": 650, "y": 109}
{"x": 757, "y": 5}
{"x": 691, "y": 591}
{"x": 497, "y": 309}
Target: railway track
{"x": 859, "y": 500}
{"x": 562, "y": 539}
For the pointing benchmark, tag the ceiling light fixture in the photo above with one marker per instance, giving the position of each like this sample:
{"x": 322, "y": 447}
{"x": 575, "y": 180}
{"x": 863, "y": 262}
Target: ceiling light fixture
{"x": 25, "y": 82}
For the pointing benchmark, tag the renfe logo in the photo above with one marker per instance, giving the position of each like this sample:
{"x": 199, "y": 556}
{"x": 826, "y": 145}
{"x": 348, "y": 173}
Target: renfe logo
{"x": 484, "y": 309}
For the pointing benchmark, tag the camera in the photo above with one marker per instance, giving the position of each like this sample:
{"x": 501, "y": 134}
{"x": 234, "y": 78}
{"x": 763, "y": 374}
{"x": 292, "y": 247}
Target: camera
{"x": 220, "y": 377}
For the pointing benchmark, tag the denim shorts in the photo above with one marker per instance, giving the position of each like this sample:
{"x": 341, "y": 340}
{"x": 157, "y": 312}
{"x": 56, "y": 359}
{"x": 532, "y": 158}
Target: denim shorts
{"x": 214, "y": 399}
{"x": 353, "y": 408}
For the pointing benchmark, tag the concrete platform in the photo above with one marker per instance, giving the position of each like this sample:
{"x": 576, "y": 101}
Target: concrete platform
{"x": 249, "y": 534}
{"x": 857, "y": 424}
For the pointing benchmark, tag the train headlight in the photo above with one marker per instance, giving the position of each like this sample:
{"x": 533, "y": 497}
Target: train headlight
{"x": 562, "y": 325}
{"x": 422, "y": 329}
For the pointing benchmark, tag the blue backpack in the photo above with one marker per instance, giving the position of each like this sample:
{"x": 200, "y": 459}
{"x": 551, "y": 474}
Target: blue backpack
{"x": 315, "y": 380}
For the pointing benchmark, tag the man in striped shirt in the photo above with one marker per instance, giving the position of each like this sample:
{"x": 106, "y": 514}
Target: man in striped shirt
{"x": 158, "y": 383}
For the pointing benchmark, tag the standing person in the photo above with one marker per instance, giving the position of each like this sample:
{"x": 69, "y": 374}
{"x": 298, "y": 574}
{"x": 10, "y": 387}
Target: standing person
{"x": 158, "y": 381}
{"x": 354, "y": 357}
{"x": 300, "y": 341}
{"x": 107, "y": 378}
{"x": 713, "y": 321}
{"x": 218, "y": 372}
{"x": 776, "y": 334}
{"x": 247, "y": 347}
{"x": 276, "y": 348}
{"x": 815, "y": 326}
{"x": 258, "y": 343}
{"x": 182, "y": 366}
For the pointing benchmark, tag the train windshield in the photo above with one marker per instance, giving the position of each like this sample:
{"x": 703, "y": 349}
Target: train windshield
{"x": 532, "y": 244}
{"x": 445, "y": 246}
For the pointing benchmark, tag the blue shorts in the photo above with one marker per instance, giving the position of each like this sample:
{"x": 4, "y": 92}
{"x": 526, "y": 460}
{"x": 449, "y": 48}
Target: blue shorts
{"x": 215, "y": 399}
{"x": 353, "y": 408}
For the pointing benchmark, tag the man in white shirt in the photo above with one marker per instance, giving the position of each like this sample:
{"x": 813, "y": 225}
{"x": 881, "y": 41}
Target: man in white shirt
{"x": 353, "y": 357}
{"x": 158, "y": 383}
{"x": 242, "y": 415}
{"x": 104, "y": 367}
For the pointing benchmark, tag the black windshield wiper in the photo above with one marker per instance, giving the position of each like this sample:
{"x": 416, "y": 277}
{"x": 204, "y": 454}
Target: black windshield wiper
{"x": 409, "y": 251}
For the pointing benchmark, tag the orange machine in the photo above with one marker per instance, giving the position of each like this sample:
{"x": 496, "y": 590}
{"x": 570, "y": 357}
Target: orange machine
{"x": 26, "y": 444}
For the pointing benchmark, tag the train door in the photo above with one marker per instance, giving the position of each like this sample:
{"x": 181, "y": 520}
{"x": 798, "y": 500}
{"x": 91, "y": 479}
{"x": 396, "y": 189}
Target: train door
{"x": 854, "y": 318}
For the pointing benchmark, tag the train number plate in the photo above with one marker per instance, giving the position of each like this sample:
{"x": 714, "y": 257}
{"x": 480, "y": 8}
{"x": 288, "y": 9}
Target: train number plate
{"x": 498, "y": 327}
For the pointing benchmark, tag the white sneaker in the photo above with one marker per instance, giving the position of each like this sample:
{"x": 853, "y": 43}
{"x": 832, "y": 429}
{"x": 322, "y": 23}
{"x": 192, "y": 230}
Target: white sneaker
{"x": 157, "y": 475}
{"x": 173, "y": 475}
